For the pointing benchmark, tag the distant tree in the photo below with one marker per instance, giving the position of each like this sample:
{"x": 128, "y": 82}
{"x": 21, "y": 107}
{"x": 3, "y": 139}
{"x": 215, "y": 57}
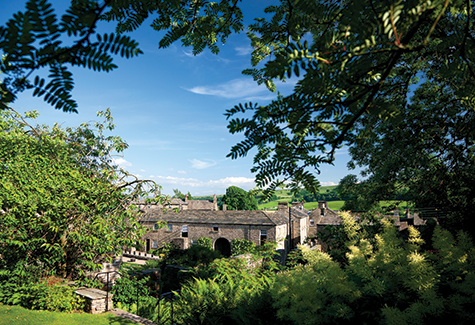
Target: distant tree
{"x": 179, "y": 195}
{"x": 357, "y": 196}
{"x": 238, "y": 199}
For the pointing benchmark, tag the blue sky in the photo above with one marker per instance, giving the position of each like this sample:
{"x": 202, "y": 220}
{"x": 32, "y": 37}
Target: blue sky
{"x": 169, "y": 106}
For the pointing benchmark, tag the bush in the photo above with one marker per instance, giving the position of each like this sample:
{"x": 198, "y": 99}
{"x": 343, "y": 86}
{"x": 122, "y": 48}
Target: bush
{"x": 205, "y": 242}
{"x": 127, "y": 290}
{"x": 242, "y": 246}
{"x": 50, "y": 294}
{"x": 386, "y": 281}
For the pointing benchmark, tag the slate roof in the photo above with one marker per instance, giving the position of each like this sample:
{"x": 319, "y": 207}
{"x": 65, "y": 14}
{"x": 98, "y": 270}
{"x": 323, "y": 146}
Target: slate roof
{"x": 252, "y": 218}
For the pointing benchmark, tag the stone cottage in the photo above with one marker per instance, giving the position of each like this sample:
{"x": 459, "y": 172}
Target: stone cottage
{"x": 181, "y": 204}
{"x": 184, "y": 227}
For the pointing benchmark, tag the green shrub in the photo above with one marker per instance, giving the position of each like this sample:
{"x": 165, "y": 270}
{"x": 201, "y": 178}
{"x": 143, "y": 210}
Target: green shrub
{"x": 242, "y": 246}
{"x": 127, "y": 290}
{"x": 386, "y": 281}
{"x": 158, "y": 311}
{"x": 58, "y": 297}
{"x": 43, "y": 295}
{"x": 205, "y": 242}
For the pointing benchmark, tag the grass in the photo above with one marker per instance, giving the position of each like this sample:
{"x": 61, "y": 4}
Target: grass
{"x": 13, "y": 315}
{"x": 130, "y": 268}
{"x": 334, "y": 205}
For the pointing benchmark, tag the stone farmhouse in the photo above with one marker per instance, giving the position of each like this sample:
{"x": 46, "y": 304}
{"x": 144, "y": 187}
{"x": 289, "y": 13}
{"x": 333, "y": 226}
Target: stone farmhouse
{"x": 188, "y": 220}
{"x": 288, "y": 226}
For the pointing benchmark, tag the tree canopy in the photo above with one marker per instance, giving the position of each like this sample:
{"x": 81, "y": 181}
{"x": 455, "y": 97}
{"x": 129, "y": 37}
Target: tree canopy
{"x": 179, "y": 195}
{"x": 365, "y": 69}
{"x": 64, "y": 204}
{"x": 393, "y": 80}
{"x": 238, "y": 199}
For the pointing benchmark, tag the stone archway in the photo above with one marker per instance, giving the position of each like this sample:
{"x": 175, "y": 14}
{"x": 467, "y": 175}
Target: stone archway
{"x": 223, "y": 246}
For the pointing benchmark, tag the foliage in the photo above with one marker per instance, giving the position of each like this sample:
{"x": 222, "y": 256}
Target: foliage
{"x": 127, "y": 290}
{"x": 216, "y": 302}
{"x": 179, "y": 195}
{"x": 242, "y": 246}
{"x": 34, "y": 40}
{"x": 157, "y": 310}
{"x": 166, "y": 250}
{"x": 386, "y": 280}
{"x": 199, "y": 24}
{"x": 238, "y": 199}
{"x": 41, "y": 295}
{"x": 336, "y": 239}
{"x": 368, "y": 73}
{"x": 205, "y": 242}
{"x": 294, "y": 258}
{"x": 354, "y": 194}
{"x": 64, "y": 205}
{"x": 236, "y": 294}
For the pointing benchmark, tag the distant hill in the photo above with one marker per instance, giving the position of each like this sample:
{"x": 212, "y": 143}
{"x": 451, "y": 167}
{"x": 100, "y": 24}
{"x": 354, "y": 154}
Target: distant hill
{"x": 282, "y": 193}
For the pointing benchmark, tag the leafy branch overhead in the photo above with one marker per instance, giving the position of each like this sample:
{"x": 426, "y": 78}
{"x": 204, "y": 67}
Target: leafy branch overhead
{"x": 35, "y": 40}
{"x": 363, "y": 59}
{"x": 352, "y": 60}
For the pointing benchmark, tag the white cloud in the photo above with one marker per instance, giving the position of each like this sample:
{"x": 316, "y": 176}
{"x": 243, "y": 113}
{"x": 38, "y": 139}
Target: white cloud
{"x": 328, "y": 183}
{"x": 220, "y": 184}
{"x": 189, "y": 54}
{"x": 236, "y": 88}
{"x": 236, "y": 181}
{"x": 143, "y": 170}
{"x": 181, "y": 172}
{"x": 243, "y": 50}
{"x": 198, "y": 164}
{"x": 121, "y": 162}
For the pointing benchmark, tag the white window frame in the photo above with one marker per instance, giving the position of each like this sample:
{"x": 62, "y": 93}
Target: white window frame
{"x": 184, "y": 230}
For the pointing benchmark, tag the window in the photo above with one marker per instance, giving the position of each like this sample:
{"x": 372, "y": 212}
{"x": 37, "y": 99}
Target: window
{"x": 215, "y": 228}
{"x": 154, "y": 243}
{"x": 263, "y": 237}
{"x": 155, "y": 226}
{"x": 184, "y": 231}
{"x": 169, "y": 227}
{"x": 322, "y": 212}
{"x": 194, "y": 242}
{"x": 312, "y": 223}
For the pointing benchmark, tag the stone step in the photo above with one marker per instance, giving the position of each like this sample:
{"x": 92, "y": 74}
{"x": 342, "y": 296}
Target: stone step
{"x": 129, "y": 316}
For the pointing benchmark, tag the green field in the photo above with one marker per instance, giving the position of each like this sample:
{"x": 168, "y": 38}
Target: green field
{"x": 13, "y": 315}
{"x": 334, "y": 205}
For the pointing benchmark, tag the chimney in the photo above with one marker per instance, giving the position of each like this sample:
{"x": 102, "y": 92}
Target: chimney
{"x": 283, "y": 207}
{"x": 215, "y": 203}
{"x": 224, "y": 206}
{"x": 186, "y": 198}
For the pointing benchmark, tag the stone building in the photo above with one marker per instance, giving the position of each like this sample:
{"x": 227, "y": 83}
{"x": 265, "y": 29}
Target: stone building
{"x": 184, "y": 227}
{"x": 181, "y": 204}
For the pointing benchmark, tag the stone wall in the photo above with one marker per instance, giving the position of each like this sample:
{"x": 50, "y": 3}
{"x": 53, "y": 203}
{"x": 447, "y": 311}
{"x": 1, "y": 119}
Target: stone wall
{"x": 195, "y": 231}
{"x": 97, "y": 301}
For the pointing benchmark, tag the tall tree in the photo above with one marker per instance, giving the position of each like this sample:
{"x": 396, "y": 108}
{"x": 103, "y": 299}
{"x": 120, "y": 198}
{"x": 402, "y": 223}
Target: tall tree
{"x": 238, "y": 199}
{"x": 357, "y": 62}
{"x": 64, "y": 204}
{"x": 179, "y": 195}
